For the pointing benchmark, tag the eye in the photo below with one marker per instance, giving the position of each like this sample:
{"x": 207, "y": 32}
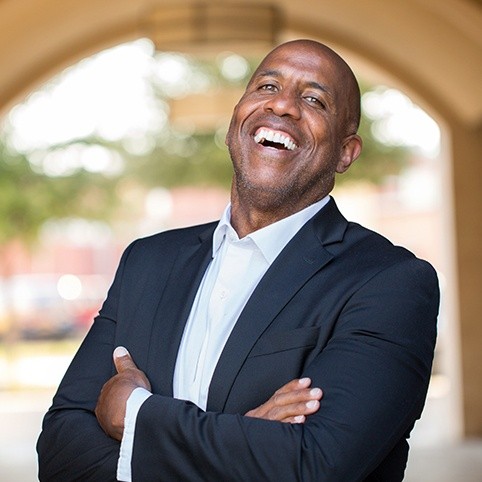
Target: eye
{"x": 269, "y": 87}
{"x": 315, "y": 101}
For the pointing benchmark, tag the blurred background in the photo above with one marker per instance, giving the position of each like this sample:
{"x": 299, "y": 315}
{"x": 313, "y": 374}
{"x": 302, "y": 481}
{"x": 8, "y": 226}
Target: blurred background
{"x": 112, "y": 123}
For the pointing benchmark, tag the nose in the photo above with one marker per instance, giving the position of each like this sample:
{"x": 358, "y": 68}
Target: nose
{"x": 284, "y": 103}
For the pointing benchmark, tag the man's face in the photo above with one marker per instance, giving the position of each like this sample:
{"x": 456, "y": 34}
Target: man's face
{"x": 287, "y": 131}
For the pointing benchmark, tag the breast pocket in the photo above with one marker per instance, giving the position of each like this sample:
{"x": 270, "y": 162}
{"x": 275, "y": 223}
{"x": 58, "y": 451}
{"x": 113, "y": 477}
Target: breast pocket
{"x": 275, "y": 359}
{"x": 300, "y": 338}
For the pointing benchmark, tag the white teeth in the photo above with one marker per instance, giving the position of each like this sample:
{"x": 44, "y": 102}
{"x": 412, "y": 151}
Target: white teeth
{"x": 260, "y": 136}
{"x": 268, "y": 135}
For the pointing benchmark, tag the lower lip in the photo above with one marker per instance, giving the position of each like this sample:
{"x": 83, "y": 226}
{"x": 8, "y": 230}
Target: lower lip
{"x": 274, "y": 150}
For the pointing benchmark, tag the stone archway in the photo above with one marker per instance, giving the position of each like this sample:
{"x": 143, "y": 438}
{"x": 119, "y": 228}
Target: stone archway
{"x": 433, "y": 48}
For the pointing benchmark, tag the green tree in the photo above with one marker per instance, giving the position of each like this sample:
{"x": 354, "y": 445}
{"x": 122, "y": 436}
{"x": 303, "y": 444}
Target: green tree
{"x": 378, "y": 160}
{"x": 201, "y": 158}
{"x": 29, "y": 197}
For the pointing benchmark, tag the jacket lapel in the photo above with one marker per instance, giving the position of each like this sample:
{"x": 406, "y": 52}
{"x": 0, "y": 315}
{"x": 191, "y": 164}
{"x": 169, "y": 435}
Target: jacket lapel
{"x": 174, "y": 308}
{"x": 304, "y": 255}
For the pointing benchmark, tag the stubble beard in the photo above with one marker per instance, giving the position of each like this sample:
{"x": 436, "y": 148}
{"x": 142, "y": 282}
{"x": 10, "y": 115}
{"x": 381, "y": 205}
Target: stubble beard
{"x": 287, "y": 197}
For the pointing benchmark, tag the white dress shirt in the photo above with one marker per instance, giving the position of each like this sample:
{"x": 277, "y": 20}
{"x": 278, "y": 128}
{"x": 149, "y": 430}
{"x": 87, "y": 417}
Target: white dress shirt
{"x": 234, "y": 272}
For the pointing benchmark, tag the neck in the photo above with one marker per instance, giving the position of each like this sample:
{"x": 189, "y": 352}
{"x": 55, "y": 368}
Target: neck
{"x": 247, "y": 216}
{"x": 246, "y": 221}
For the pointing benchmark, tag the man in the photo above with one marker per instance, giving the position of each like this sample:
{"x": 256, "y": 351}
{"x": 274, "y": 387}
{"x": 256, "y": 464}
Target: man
{"x": 283, "y": 292}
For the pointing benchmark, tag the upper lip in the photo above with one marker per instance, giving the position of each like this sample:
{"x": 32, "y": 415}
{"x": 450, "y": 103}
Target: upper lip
{"x": 275, "y": 135}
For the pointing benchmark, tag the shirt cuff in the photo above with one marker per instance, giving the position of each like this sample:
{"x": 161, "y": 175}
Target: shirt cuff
{"x": 134, "y": 403}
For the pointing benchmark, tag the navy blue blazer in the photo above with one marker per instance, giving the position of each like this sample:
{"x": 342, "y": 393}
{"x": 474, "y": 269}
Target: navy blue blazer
{"x": 340, "y": 304}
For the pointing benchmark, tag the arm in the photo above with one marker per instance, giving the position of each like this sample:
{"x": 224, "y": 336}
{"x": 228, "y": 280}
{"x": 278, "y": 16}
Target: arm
{"x": 72, "y": 442}
{"x": 290, "y": 404}
{"x": 374, "y": 372}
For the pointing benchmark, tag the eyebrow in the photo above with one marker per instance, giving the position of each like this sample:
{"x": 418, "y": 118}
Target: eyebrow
{"x": 312, "y": 83}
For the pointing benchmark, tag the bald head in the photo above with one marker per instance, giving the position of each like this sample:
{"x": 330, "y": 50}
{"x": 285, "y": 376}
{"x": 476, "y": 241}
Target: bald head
{"x": 344, "y": 81}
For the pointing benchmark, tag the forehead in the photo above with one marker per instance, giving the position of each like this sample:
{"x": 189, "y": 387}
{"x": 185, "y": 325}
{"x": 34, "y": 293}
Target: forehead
{"x": 300, "y": 63}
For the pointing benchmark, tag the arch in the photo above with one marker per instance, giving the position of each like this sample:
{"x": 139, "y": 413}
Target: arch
{"x": 433, "y": 48}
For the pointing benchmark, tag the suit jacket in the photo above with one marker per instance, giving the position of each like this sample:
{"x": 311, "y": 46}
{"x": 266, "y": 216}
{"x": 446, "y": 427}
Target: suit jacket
{"x": 340, "y": 304}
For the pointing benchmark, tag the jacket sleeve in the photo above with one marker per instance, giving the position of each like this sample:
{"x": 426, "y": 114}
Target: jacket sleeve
{"x": 374, "y": 373}
{"x": 72, "y": 445}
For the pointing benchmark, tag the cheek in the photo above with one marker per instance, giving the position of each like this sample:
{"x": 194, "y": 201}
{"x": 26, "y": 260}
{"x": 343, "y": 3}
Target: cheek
{"x": 227, "y": 139}
{"x": 232, "y": 127}
{"x": 325, "y": 138}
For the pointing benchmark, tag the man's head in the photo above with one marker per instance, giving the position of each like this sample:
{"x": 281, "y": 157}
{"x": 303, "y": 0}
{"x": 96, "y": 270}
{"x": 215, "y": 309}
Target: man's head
{"x": 294, "y": 128}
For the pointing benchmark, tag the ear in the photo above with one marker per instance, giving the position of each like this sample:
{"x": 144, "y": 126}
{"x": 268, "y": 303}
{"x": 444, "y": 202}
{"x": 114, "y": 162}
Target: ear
{"x": 350, "y": 150}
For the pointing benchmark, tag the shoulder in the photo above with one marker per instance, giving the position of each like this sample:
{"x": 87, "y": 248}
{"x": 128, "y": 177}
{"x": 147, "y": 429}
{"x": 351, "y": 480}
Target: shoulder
{"x": 373, "y": 246}
{"x": 171, "y": 241}
{"x": 385, "y": 264}
{"x": 343, "y": 238}
{"x": 361, "y": 254}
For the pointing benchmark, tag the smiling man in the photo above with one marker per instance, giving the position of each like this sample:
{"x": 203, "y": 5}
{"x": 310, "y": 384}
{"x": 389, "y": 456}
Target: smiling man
{"x": 292, "y": 130}
{"x": 282, "y": 311}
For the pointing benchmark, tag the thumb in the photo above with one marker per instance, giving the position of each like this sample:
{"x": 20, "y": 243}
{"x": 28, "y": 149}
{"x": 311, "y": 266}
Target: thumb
{"x": 122, "y": 359}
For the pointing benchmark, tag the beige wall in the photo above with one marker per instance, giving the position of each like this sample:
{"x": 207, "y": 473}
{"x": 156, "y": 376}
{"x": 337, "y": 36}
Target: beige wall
{"x": 432, "y": 49}
{"x": 467, "y": 182}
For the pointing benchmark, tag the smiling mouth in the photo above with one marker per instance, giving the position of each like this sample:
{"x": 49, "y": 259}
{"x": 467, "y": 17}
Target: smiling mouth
{"x": 269, "y": 138}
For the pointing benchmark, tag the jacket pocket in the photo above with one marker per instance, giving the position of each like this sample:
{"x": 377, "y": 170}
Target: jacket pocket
{"x": 286, "y": 340}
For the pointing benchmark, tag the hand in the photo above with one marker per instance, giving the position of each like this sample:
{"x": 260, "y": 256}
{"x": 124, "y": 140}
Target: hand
{"x": 111, "y": 406}
{"x": 291, "y": 403}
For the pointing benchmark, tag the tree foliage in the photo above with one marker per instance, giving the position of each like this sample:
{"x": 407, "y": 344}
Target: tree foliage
{"x": 201, "y": 158}
{"x": 29, "y": 196}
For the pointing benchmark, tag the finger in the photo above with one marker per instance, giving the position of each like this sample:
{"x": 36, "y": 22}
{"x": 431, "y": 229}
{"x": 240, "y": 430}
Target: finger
{"x": 289, "y": 413}
{"x": 296, "y": 384}
{"x": 296, "y": 396}
{"x": 312, "y": 408}
{"x": 123, "y": 360}
{"x": 297, "y": 419}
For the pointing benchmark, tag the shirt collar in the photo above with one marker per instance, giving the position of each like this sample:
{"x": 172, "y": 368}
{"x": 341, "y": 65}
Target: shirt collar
{"x": 271, "y": 239}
